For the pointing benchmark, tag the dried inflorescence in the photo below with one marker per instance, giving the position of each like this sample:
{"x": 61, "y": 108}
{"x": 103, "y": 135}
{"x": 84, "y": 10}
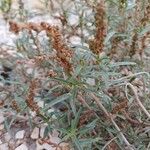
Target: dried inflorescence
{"x": 30, "y": 97}
{"x": 119, "y": 107}
{"x": 144, "y": 42}
{"x": 146, "y": 18}
{"x": 40, "y": 59}
{"x": 137, "y": 15}
{"x": 51, "y": 73}
{"x": 140, "y": 23}
{"x": 54, "y": 145}
{"x": 97, "y": 44}
{"x": 63, "y": 53}
{"x": 85, "y": 117}
{"x": 16, "y": 28}
{"x": 115, "y": 41}
{"x": 133, "y": 47}
{"x": 15, "y": 106}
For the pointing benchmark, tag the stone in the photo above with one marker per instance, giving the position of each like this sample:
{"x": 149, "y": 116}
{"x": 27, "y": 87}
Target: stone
{"x": 1, "y": 142}
{"x": 4, "y": 146}
{"x": 55, "y": 133}
{"x": 7, "y": 137}
{"x": 44, "y": 146}
{"x": 1, "y": 127}
{"x": 22, "y": 147}
{"x": 42, "y": 131}
{"x": 33, "y": 114}
{"x": 19, "y": 142}
{"x": 64, "y": 146}
{"x": 1, "y": 118}
{"x": 29, "y": 71}
{"x": 20, "y": 134}
{"x": 35, "y": 133}
{"x": 55, "y": 139}
{"x": 41, "y": 104}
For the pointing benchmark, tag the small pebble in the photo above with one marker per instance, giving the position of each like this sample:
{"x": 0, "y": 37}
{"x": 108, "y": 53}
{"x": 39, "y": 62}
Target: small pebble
{"x": 1, "y": 126}
{"x": 55, "y": 133}
{"x": 55, "y": 139}
{"x": 20, "y": 134}
{"x": 35, "y": 133}
{"x": 1, "y": 118}
{"x": 7, "y": 137}
{"x": 19, "y": 142}
{"x": 1, "y": 142}
{"x": 41, "y": 104}
{"x": 44, "y": 146}
{"x": 22, "y": 147}
{"x": 4, "y": 146}
{"x": 64, "y": 146}
{"x": 42, "y": 131}
{"x": 90, "y": 81}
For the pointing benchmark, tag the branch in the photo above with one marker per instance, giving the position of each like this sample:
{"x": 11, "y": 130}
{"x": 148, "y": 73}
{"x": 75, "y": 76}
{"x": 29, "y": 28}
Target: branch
{"x": 109, "y": 115}
{"x": 137, "y": 99}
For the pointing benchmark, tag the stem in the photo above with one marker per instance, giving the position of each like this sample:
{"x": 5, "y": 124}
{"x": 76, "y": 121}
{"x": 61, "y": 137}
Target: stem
{"x": 108, "y": 143}
{"x": 112, "y": 120}
{"x": 138, "y": 100}
{"x": 130, "y": 76}
{"x": 100, "y": 105}
{"x": 82, "y": 100}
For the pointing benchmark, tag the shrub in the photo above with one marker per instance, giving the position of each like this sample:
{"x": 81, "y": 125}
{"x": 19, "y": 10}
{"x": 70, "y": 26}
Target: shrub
{"x": 86, "y": 91}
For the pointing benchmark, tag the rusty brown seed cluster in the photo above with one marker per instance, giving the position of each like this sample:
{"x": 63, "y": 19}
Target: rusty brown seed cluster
{"x": 85, "y": 117}
{"x": 97, "y": 44}
{"x": 143, "y": 22}
{"x": 51, "y": 73}
{"x": 64, "y": 54}
{"x": 139, "y": 44}
{"x": 15, "y": 106}
{"x": 30, "y": 97}
{"x": 42, "y": 58}
{"x": 144, "y": 42}
{"x": 119, "y": 107}
{"x": 133, "y": 47}
{"x": 146, "y": 17}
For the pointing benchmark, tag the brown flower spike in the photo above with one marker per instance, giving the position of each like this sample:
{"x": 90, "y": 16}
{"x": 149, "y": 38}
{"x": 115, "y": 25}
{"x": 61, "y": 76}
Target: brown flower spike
{"x": 64, "y": 54}
{"x": 15, "y": 106}
{"x": 97, "y": 44}
{"x": 30, "y": 98}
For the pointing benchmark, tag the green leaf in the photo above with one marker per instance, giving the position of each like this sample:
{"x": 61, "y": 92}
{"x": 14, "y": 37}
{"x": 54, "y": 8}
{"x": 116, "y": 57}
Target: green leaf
{"x": 88, "y": 127}
{"x": 7, "y": 125}
{"x": 77, "y": 143}
{"x": 47, "y": 130}
{"x": 109, "y": 36}
{"x": 122, "y": 64}
{"x": 75, "y": 121}
{"x": 144, "y": 30}
{"x": 77, "y": 71}
{"x": 87, "y": 142}
{"x": 73, "y": 98}
{"x": 57, "y": 100}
